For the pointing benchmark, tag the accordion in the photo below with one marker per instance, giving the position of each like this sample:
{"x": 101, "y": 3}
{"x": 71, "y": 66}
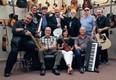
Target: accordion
{"x": 90, "y": 56}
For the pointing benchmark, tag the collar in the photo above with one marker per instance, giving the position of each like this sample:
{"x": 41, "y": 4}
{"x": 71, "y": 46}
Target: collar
{"x": 82, "y": 38}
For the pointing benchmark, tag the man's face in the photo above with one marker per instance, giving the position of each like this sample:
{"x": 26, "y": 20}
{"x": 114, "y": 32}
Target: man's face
{"x": 57, "y": 12}
{"x": 73, "y": 13}
{"x": 47, "y": 32}
{"x": 99, "y": 13}
{"x": 44, "y": 11}
{"x": 34, "y": 9}
{"x": 27, "y": 19}
{"x": 82, "y": 31}
{"x": 87, "y": 11}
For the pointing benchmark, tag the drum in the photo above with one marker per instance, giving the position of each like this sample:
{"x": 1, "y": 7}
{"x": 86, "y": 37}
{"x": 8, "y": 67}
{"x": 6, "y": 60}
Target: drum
{"x": 57, "y": 32}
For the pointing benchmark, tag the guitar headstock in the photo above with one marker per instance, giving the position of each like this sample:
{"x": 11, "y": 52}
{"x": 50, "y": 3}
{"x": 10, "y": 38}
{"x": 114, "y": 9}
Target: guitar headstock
{"x": 48, "y": 4}
{"x": 55, "y": 5}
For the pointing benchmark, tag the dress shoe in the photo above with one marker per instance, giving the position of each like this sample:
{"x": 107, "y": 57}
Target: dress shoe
{"x": 81, "y": 70}
{"x": 96, "y": 70}
{"x": 56, "y": 72}
{"x": 6, "y": 74}
{"x": 42, "y": 72}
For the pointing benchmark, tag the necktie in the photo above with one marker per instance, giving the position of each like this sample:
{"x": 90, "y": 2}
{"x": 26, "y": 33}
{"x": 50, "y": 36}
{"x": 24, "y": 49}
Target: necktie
{"x": 44, "y": 22}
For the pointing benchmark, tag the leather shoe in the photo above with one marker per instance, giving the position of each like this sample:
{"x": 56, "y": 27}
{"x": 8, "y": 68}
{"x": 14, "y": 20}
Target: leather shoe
{"x": 42, "y": 72}
{"x": 96, "y": 70}
{"x": 81, "y": 70}
{"x": 6, "y": 74}
{"x": 56, "y": 72}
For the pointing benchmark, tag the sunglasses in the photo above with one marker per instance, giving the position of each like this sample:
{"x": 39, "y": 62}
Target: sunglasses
{"x": 86, "y": 10}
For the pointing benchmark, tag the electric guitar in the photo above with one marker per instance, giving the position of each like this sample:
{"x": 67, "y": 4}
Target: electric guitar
{"x": 13, "y": 17}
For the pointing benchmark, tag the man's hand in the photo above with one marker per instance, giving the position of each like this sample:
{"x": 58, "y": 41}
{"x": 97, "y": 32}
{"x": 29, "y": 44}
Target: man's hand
{"x": 58, "y": 25}
{"x": 19, "y": 29}
{"x": 61, "y": 16}
{"x": 44, "y": 48}
{"x": 92, "y": 34}
{"x": 100, "y": 30}
{"x": 28, "y": 33}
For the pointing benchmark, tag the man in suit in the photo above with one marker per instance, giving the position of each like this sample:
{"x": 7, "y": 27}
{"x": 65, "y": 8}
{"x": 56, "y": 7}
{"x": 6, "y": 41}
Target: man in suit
{"x": 22, "y": 30}
{"x": 44, "y": 15}
{"x": 73, "y": 24}
{"x": 56, "y": 20}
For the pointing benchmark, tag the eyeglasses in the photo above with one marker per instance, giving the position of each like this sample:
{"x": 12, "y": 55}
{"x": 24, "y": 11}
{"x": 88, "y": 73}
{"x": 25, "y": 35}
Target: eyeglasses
{"x": 86, "y": 10}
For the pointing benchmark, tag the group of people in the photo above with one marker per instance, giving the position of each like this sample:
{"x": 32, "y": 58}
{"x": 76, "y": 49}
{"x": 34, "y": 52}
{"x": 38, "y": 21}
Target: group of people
{"x": 63, "y": 46}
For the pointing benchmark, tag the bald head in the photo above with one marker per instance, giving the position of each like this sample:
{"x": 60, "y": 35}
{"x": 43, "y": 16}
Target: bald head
{"x": 57, "y": 11}
{"x": 73, "y": 13}
{"x": 82, "y": 31}
{"x": 47, "y": 31}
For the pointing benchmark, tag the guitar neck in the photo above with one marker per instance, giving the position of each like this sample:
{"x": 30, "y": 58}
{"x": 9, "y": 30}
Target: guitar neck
{"x": 13, "y": 7}
{"x": 111, "y": 6}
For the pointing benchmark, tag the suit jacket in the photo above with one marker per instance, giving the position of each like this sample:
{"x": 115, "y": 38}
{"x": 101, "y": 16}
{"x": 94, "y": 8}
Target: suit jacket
{"x": 53, "y": 22}
{"x": 17, "y": 36}
{"x": 73, "y": 26}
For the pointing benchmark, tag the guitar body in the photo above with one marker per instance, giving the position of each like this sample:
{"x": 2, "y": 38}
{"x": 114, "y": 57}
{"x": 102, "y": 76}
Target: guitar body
{"x": 5, "y": 38}
{"x": 87, "y": 3}
{"x": 4, "y": 42}
{"x": 73, "y": 5}
{"x": 103, "y": 41}
{"x": 12, "y": 21}
{"x": 63, "y": 8}
{"x": 33, "y": 2}
{"x": 66, "y": 47}
{"x": 21, "y": 3}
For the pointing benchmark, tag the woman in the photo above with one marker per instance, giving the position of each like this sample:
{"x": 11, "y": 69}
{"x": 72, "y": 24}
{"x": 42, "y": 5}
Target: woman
{"x": 66, "y": 44}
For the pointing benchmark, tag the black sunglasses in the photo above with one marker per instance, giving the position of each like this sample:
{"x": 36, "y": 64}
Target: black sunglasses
{"x": 86, "y": 10}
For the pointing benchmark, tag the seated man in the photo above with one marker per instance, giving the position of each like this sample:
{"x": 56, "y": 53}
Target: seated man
{"x": 49, "y": 47}
{"x": 80, "y": 48}
{"x": 20, "y": 38}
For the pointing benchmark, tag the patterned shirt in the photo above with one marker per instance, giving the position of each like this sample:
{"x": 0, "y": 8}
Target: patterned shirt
{"x": 88, "y": 22}
{"x": 82, "y": 42}
{"x": 48, "y": 41}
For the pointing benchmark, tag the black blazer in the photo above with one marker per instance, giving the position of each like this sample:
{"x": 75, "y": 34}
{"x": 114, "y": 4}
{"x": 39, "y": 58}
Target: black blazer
{"x": 75, "y": 26}
{"x": 17, "y": 36}
{"x": 53, "y": 22}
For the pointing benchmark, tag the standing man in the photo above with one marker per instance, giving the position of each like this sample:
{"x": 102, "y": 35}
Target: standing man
{"x": 21, "y": 38}
{"x": 73, "y": 24}
{"x": 44, "y": 15}
{"x": 56, "y": 20}
{"x": 49, "y": 47}
{"x": 88, "y": 21}
{"x": 103, "y": 25}
{"x": 37, "y": 18}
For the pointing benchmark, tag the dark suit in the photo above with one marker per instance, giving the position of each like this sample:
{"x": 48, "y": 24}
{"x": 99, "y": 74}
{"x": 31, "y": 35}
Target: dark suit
{"x": 52, "y": 23}
{"x": 73, "y": 26}
{"x": 19, "y": 39}
{"x": 38, "y": 16}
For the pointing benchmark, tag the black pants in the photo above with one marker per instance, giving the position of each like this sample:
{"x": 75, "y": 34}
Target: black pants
{"x": 104, "y": 55}
{"x": 29, "y": 46}
{"x": 81, "y": 59}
